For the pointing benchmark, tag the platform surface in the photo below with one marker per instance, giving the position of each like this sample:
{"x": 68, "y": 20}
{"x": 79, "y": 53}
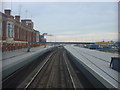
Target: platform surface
{"x": 97, "y": 61}
{"x": 15, "y": 56}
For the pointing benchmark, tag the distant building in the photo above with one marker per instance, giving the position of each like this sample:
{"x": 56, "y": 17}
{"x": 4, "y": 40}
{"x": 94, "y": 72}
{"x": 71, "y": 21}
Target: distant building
{"x": 17, "y": 33}
{"x": 93, "y": 46}
{"x": 42, "y": 39}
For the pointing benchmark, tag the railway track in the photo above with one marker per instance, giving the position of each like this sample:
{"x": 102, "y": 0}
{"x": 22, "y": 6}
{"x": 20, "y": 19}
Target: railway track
{"x": 54, "y": 73}
{"x": 15, "y": 79}
{"x": 53, "y": 70}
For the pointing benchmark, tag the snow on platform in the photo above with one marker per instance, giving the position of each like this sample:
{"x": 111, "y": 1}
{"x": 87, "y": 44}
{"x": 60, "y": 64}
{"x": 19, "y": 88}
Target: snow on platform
{"x": 97, "y": 63}
{"x": 14, "y": 60}
{"x": 15, "y": 53}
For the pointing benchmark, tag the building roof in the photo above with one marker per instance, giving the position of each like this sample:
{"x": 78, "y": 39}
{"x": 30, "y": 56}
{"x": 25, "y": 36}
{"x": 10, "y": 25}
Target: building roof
{"x": 26, "y": 20}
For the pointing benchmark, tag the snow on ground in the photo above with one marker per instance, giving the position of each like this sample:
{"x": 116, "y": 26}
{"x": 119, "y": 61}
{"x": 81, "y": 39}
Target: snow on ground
{"x": 96, "y": 61}
{"x": 13, "y": 60}
{"x": 11, "y": 54}
{"x": 14, "y": 56}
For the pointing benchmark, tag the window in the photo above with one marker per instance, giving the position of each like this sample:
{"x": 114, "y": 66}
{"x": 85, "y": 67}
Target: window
{"x": 8, "y": 29}
{"x": 18, "y": 33}
{"x": 37, "y": 37}
{"x": 12, "y": 31}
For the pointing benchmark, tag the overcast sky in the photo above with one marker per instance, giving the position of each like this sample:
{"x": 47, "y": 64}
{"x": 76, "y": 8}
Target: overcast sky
{"x": 71, "y": 21}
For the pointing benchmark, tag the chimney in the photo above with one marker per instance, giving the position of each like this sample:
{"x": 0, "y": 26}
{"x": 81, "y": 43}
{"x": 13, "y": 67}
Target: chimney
{"x": 23, "y": 22}
{"x": 30, "y": 25}
{"x": 17, "y": 18}
{"x": 7, "y": 12}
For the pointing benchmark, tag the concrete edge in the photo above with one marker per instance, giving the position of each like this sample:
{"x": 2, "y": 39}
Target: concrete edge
{"x": 93, "y": 77}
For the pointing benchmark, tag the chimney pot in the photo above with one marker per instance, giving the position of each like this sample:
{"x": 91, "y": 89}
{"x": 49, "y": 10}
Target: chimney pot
{"x": 17, "y": 18}
{"x": 7, "y": 12}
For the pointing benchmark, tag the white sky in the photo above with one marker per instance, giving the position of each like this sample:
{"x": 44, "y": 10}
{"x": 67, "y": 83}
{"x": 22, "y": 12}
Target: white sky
{"x": 60, "y": 0}
{"x": 70, "y": 21}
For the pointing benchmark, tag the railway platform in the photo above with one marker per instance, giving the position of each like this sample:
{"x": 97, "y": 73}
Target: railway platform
{"x": 97, "y": 63}
{"x": 14, "y": 60}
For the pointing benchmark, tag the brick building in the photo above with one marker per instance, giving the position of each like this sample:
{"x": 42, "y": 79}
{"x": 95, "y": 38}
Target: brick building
{"x": 17, "y": 33}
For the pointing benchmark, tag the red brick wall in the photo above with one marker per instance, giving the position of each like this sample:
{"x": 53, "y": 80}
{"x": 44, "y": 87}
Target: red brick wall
{"x": 15, "y": 33}
{"x": 24, "y": 35}
{"x": 4, "y": 24}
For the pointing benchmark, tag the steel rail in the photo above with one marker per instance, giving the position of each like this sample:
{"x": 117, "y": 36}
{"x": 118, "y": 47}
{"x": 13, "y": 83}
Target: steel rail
{"x": 33, "y": 78}
{"x": 74, "y": 86}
